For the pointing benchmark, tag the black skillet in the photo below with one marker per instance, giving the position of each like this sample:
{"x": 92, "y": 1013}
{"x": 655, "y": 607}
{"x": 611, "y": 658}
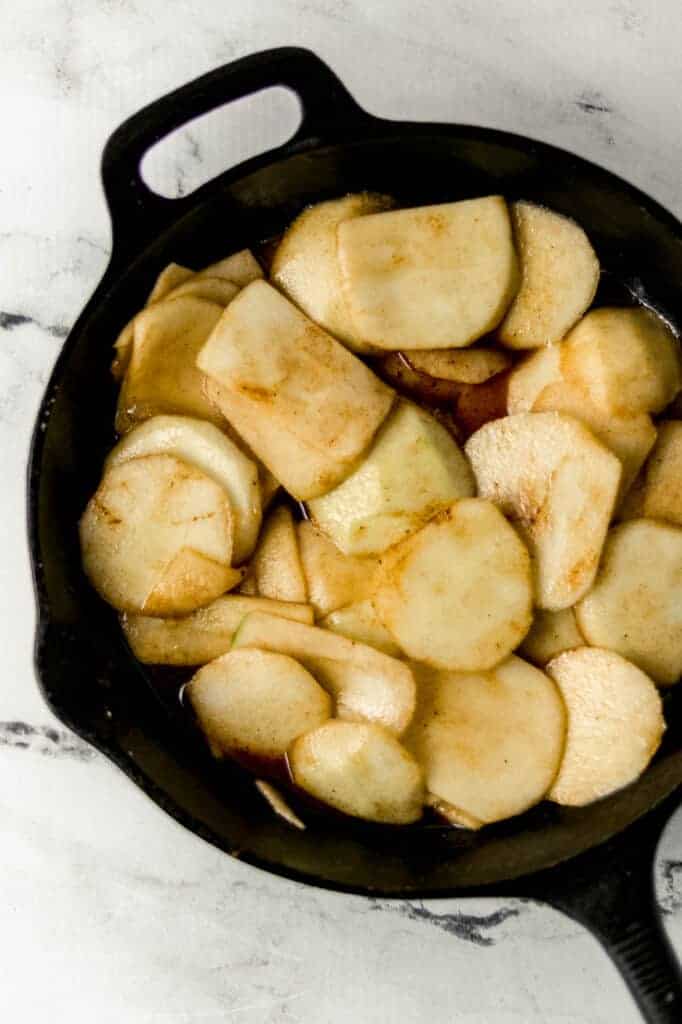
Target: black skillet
{"x": 595, "y": 864}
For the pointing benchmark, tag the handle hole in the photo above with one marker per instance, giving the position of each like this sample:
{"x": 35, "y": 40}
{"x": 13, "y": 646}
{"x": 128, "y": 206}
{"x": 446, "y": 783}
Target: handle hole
{"x": 213, "y": 142}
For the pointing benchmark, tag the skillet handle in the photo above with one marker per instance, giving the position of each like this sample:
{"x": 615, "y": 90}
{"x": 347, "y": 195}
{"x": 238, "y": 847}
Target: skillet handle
{"x": 611, "y": 891}
{"x": 327, "y": 110}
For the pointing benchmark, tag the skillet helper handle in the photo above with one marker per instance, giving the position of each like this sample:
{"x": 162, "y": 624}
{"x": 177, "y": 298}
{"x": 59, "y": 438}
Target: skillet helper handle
{"x": 611, "y": 891}
{"x": 327, "y": 111}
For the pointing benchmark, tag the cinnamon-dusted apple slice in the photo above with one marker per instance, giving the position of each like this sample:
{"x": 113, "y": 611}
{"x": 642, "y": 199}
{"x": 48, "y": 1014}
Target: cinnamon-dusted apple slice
{"x": 559, "y": 276}
{"x": 202, "y": 445}
{"x": 458, "y": 594}
{"x": 615, "y": 724}
{"x": 559, "y": 485}
{"x": 658, "y": 492}
{"x": 413, "y": 469}
{"x": 359, "y": 621}
{"x": 275, "y": 569}
{"x": 489, "y": 743}
{"x": 305, "y": 404}
{"x": 551, "y": 634}
{"x": 256, "y": 703}
{"x": 635, "y": 605}
{"x": 306, "y": 263}
{"x": 366, "y": 684}
{"x": 361, "y": 770}
{"x": 430, "y": 276}
{"x": 205, "y": 634}
{"x": 333, "y": 579}
{"x": 156, "y": 537}
{"x": 161, "y": 375}
{"x": 531, "y": 376}
{"x": 462, "y": 366}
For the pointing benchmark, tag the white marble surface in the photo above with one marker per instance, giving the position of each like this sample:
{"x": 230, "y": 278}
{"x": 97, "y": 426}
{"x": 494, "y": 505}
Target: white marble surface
{"x": 109, "y": 911}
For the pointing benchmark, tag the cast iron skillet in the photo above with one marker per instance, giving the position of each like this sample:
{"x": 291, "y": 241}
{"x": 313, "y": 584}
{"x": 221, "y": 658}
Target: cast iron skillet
{"x": 595, "y": 864}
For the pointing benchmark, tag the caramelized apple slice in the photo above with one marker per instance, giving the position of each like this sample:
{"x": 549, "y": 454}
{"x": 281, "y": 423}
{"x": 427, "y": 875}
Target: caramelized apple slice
{"x": 359, "y": 621}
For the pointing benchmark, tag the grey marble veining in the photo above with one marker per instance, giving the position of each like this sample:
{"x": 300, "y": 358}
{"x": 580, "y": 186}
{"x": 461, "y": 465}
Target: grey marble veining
{"x": 109, "y": 911}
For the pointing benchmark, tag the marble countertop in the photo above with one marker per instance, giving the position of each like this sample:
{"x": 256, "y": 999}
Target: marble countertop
{"x": 109, "y": 911}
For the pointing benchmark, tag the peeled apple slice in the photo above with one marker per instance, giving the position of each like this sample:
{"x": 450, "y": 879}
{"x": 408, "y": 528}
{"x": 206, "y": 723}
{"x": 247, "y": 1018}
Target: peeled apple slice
{"x": 361, "y": 770}
{"x": 241, "y": 268}
{"x": 275, "y": 569}
{"x": 256, "y": 703}
{"x": 304, "y": 403}
{"x": 202, "y": 445}
{"x": 551, "y": 634}
{"x": 489, "y": 743}
{"x": 156, "y": 537}
{"x": 658, "y": 494}
{"x": 430, "y": 276}
{"x": 278, "y": 804}
{"x": 359, "y": 621}
{"x": 171, "y": 277}
{"x": 463, "y": 366}
{"x": 332, "y": 578}
{"x": 458, "y": 594}
{"x": 559, "y": 276}
{"x": 635, "y": 605}
{"x": 615, "y": 724}
{"x": 213, "y": 289}
{"x": 162, "y": 376}
{"x": 306, "y": 263}
{"x": 531, "y": 376}
{"x": 366, "y": 684}
{"x": 559, "y": 485}
{"x": 205, "y": 634}
{"x": 413, "y": 469}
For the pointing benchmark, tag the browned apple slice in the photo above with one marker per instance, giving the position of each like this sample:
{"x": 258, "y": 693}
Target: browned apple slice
{"x": 361, "y": 770}
{"x": 463, "y": 366}
{"x": 332, "y": 578}
{"x": 241, "y": 268}
{"x": 256, "y": 703}
{"x": 212, "y": 289}
{"x": 458, "y": 594}
{"x": 615, "y": 724}
{"x": 359, "y": 621}
{"x": 278, "y": 804}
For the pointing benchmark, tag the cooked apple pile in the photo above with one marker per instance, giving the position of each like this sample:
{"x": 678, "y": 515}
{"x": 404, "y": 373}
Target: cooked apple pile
{"x": 410, "y": 509}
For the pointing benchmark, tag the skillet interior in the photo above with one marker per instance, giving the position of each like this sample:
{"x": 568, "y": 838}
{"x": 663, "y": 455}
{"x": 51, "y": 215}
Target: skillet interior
{"x": 87, "y": 673}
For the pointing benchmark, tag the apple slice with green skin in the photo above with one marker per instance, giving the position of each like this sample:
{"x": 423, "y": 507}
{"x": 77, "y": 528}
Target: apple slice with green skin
{"x": 458, "y": 594}
{"x": 413, "y": 469}
{"x": 627, "y": 360}
{"x": 161, "y": 375}
{"x": 359, "y": 769}
{"x": 202, "y": 445}
{"x": 366, "y": 684}
{"x": 156, "y": 537}
{"x": 615, "y": 724}
{"x": 559, "y": 485}
{"x": 359, "y": 621}
{"x": 255, "y": 704}
{"x": 205, "y": 634}
{"x": 306, "y": 264}
{"x": 635, "y": 605}
{"x": 559, "y": 277}
{"x": 551, "y": 634}
{"x": 333, "y": 579}
{"x": 275, "y": 571}
{"x": 306, "y": 405}
{"x": 429, "y": 277}
{"x": 462, "y": 366}
{"x": 490, "y": 744}
{"x": 658, "y": 492}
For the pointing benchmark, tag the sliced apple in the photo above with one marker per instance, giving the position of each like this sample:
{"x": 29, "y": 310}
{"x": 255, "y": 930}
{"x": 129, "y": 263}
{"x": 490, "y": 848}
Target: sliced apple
{"x": 170, "y": 277}
{"x": 463, "y": 366}
{"x": 559, "y": 277}
{"x": 658, "y": 493}
{"x": 332, "y": 578}
{"x": 531, "y": 376}
{"x": 212, "y": 289}
{"x": 413, "y": 469}
{"x": 359, "y": 621}
{"x": 241, "y": 268}
{"x": 451, "y": 814}
{"x": 615, "y": 724}
{"x": 559, "y": 485}
{"x": 429, "y": 277}
{"x": 490, "y": 744}
{"x": 306, "y": 263}
{"x": 626, "y": 359}
{"x": 202, "y": 445}
{"x": 635, "y": 605}
{"x": 205, "y": 634}
{"x": 458, "y": 594}
{"x": 156, "y": 537}
{"x": 394, "y": 368}
{"x": 366, "y": 684}
{"x": 551, "y": 634}
{"x": 278, "y": 804}
{"x": 256, "y": 703}
{"x": 361, "y": 770}
{"x": 305, "y": 404}
{"x": 162, "y": 376}
{"x": 276, "y": 569}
